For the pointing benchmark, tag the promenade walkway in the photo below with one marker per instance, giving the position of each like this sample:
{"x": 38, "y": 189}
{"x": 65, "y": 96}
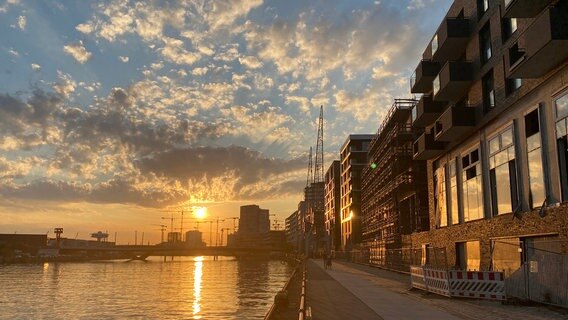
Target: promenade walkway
{"x": 351, "y": 291}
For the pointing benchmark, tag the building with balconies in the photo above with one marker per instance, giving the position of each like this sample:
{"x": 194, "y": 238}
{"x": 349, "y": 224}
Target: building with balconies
{"x": 332, "y": 203}
{"x": 495, "y": 123}
{"x": 393, "y": 188}
{"x": 353, "y": 158}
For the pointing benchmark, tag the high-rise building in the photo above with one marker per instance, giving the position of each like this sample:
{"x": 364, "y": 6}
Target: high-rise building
{"x": 353, "y": 158}
{"x": 332, "y": 209}
{"x": 292, "y": 230}
{"x": 494, "y": 106}
{"x": 253, "y": 219}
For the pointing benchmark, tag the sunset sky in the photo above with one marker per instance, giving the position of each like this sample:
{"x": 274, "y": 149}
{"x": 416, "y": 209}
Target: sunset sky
{"x": 114, "y": 113}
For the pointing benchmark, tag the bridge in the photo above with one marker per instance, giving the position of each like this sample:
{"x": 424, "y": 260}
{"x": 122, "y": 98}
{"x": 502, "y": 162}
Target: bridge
{"x": 140, "y": 252}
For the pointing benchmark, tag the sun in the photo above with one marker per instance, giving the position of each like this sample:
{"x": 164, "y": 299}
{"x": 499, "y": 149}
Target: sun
{"x": 200, "y": 212}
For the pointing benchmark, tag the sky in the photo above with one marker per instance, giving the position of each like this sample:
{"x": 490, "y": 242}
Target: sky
{"x": 117, "y": 114}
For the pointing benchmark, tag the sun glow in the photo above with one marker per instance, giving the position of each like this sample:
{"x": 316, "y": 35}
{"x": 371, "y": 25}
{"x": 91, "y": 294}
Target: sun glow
{"x": 200, "y": 212}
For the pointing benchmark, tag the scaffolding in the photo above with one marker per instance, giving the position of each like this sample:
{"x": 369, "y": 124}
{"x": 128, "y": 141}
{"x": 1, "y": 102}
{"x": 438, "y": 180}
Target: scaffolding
{"x": 394, "y": 189}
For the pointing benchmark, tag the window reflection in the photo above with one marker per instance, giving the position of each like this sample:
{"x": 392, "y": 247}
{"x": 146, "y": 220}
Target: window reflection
{"x": 534, "y": 158}
{"x": 454, "y": 193}
{"x": 562, "y": 142}
{"x": 440, "y": 195}
{"x": 472, "y": 187}
{"x": 502, "y": 173}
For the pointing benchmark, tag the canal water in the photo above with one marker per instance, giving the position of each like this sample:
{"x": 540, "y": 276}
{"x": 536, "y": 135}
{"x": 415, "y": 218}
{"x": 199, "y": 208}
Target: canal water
{"x": 185, "y": 288}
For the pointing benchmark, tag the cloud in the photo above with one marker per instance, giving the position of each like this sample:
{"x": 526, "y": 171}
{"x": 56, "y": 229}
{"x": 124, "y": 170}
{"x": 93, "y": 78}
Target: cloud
{"x": 22, "y": 22}
{"x": 77, "y": 50}
{"x": 250, "y": 62}
{"x": 174, "y": 51}
{"x": 123, "y": 59}
{"x": 66, "y": 85}
{"x": 35, "y": 67}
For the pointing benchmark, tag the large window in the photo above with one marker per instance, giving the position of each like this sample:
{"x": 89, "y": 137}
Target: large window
{"x": 537, "y": 189}
{"x": 440, "y": 195}
{"x": 485, "y": 43}
{"x": 502, "y": 173}
{"x": 561, "y": 106}
{"x": 454, "y": 208}
{"x": 472, "y": 186}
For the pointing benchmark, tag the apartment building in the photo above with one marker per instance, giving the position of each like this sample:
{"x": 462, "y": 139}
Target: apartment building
{"x": 353, "y": 158}
{"x": 332, "y": 210}
{"x": 494, "y": 108}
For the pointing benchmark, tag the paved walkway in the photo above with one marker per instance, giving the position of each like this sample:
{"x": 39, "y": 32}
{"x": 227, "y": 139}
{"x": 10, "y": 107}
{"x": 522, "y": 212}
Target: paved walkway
{"x": 351, "y": 291}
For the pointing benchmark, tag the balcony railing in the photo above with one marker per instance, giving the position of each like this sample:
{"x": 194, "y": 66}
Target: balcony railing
{"x": 455, "y": 122}
{"x": 453, "y": 81}
{"x": 543, "y": 45}
{"x": 425, "y": 72}
{"x": 425, "y": 147}
{"x": 450, "y": 40}
{"x": 427, "y": 111}
{"x": 524, "y": 8}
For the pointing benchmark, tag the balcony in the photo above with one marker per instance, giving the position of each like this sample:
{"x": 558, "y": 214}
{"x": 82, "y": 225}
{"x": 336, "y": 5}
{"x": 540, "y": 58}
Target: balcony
{"x": 543, "y": 46}
{"x": 421, "y": 81}
{"x": 454, "y": 123}
{"x": 427, "y": 111}
{"x": 425, "y": 147}
{"x": 453, "y": 81}
{"x": 524, "y": 8}
{"x": 450, "y": 40}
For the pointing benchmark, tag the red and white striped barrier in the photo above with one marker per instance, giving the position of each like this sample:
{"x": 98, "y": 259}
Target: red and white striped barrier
{"x": 489, "y": 285}
{"x": 480, "y": 285}
{"x": 417, "y": 278}
{"x": 437, "y": 281}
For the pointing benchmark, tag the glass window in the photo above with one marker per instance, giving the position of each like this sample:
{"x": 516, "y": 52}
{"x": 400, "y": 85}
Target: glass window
{"x": 440, "y": 195}
{"x": 482, "y": 6}
{"x": 503, "y": 173}
{"x": 434, "y": 43}
{"x": 561, "y": 105}
{"x": 472, "y": 188}
{"x": 509, "y": 26}
{"x": 488, "y": 91}
{"x": 537, "y": 189}
{"x": 473, "y": 255}
{"x": 485, "y": 43}
{"x": 512, "y": 85}
{"x": 454, "y": 209}
{"x": 436, "y": 85}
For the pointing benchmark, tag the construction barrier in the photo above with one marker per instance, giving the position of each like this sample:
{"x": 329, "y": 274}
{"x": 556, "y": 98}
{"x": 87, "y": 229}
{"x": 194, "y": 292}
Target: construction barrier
{"x": 417, "y": 278}
{"x": 480, "y": 285}
{"x": 437, "y": 281}
{"x": 487, "y": 285}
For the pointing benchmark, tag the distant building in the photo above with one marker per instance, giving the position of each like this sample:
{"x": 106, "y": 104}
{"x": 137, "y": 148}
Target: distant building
{"x": 174, "y": 237}
{"x": 253, "y": 220}
{"x": 332, "y": 205}
{"x": 194, "y": 238}
{"x": 293, "y": 231}
{"x": 353, "y": 158}
{"x": 314, "y": 221}
{"x": 24, "y": 243}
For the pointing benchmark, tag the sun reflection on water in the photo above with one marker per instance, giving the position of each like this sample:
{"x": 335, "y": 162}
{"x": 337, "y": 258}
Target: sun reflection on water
{"x": 197, "y": 275}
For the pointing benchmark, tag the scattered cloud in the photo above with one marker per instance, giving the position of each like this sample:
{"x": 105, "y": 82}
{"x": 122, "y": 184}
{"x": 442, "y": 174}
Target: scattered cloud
{"x": 35, "y": 67}
{"x": 77, "y": 50}
{"x": 22, "y": 22}
{"x": 123, "y": 59}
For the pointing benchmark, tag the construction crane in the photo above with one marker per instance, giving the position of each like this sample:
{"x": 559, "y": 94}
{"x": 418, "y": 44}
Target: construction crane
{"x": 276, "y": 224}
{"x": 217, "y": 233}
{"x": 222, "y": 231}
{"x": 234, "y": 223}
{"x": 318, "y": 166}
{"x": 163, "y": 228}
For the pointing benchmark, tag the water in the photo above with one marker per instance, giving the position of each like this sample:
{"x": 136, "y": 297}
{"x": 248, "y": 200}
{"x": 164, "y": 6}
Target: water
{"x": 186, "y": 288}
